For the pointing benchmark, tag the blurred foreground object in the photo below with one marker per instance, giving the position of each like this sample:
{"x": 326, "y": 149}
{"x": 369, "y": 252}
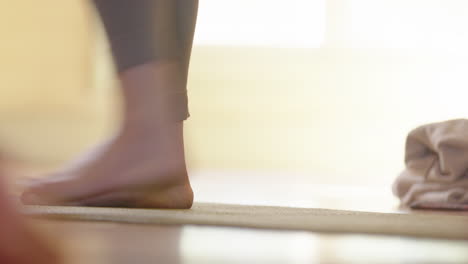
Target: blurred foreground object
{"x": 18, "y": 243}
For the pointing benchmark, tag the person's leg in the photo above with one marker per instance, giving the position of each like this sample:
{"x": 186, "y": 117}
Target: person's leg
{"x": 186, "y": 20}
{"x": 144, "y": 164}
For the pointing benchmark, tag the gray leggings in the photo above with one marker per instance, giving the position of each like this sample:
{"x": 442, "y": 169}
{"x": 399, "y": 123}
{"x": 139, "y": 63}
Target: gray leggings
{"x": 140, "y": 31}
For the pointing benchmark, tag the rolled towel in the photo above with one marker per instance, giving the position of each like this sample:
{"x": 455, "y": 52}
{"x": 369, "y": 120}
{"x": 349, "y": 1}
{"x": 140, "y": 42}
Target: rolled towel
{"x": 436, "y": 174}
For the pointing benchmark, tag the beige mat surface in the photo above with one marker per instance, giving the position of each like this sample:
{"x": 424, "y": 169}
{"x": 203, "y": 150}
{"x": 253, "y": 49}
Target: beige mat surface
{"x": 273, "y": 217}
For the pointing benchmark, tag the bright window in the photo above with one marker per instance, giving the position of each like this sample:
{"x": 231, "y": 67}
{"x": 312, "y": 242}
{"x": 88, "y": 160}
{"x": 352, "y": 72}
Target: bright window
{"x": 288, "y": 23}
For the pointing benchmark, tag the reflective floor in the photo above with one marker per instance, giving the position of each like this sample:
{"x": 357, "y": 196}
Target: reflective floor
{"x": 100, "y": 242}
{"x": 123, "y": 243}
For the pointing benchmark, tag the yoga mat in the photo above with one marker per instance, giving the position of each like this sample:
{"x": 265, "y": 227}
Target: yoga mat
{"x": 273, "y": 217}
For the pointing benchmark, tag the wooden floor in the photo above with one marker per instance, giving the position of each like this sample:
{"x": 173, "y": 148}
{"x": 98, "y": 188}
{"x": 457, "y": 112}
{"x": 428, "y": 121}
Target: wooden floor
{"x": 104, "y": 242}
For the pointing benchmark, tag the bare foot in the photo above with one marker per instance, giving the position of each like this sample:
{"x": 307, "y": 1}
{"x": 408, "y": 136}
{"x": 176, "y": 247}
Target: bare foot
{"x": 18, "y": 243}
{"x": 142, "y": 167}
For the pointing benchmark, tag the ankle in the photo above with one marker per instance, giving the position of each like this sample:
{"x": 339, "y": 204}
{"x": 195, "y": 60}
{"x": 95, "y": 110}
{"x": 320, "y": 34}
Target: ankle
{"x": 165, "y": 139}
{"x": 148, "y": 90}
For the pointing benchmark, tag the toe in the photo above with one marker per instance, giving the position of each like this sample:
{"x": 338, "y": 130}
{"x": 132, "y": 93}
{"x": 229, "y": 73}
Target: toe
{"x": 40, "y": 193}
{"x": 29, "y": 197}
